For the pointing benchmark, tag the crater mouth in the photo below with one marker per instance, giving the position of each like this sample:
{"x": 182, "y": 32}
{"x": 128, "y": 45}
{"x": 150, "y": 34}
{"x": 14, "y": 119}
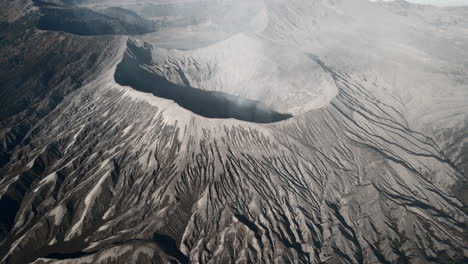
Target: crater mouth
{"x": 132, "y": 72}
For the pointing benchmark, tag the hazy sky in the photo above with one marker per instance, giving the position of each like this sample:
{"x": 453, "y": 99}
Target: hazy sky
{"x": 441, "y": 2}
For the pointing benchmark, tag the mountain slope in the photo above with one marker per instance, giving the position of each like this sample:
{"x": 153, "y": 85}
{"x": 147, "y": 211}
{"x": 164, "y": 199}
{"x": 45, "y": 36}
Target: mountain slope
{"x": 98, "y": 166}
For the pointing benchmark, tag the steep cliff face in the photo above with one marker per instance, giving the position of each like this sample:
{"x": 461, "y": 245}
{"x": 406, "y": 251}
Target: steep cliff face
{"x": 327, "y": 132}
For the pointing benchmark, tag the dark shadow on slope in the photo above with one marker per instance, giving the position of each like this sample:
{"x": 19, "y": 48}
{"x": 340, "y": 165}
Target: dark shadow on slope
{"x": 73, "y": 255}
{"x": 86, "y": 22}
{"x": 210, "y": 104}
{"x": 169, "y": 246}
{"x": 62, "y": 250}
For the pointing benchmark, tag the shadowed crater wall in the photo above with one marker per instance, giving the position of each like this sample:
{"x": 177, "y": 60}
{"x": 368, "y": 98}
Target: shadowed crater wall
{"x": 211, "y": 104}
{"x": 86, "y": 22}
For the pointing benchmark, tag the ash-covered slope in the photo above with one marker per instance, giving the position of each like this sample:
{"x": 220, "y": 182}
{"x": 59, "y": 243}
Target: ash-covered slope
{"x": 368, "y": 166}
